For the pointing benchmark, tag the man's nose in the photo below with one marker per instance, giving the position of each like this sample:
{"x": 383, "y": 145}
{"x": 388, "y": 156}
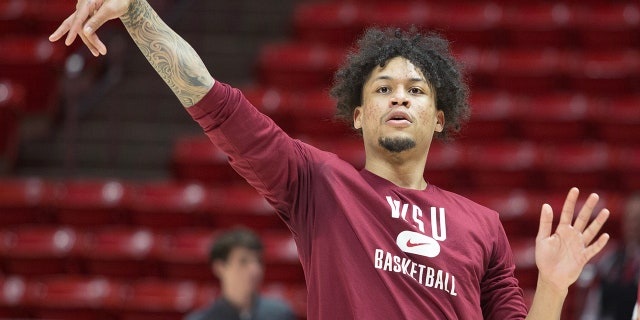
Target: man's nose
{"x": 399, "y": 98}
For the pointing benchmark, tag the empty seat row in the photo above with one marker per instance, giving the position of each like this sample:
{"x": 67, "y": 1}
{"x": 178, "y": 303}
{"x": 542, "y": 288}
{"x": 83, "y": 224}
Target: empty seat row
{"x": 479, "y": 23}
{"x": 11, "y": 100}
{"x": 36, "y": 17}
{"x": 33, "y": 64}
{"x": 131, "y": 252}
{"x": 159, "y": 205}
{"x": 96, "y": 297}
{"x": 311, "y": 66}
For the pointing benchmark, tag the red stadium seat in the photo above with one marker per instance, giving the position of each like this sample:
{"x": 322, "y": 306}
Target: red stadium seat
{"x": 557, "y": 117}
{"x": 530, "y": 71}
{"x": 610, "y": 25}
{"x": 400, "y": 14}
{"x": 490, "y": 115}
{"x": 92, "y": 202}
{"x": 12, "y": 298}
{"x": 329, "y": 22}
{"x": 11, "y": 100}
{"x": 297, "y": 66}
{"x": 538, "y": 25}
{"x": 241, "y": 205}
{"x": 169, "y": 205}
{"x": 12, "y": 14}
{"x": 444, "y": 165}
{"x": 479, "y": 65}
{"x": 583, "y": 165}
{"x": 157, "y": 299}
{"x": 24, "y": 201}
{"x": 469, "y": 23}
{"x": 46, "y": 15}
{"x": 185, "y": 254}
{"x": 627, "y": 164}
{"x": 503, "y": 165}
{"x": 313, "y": 115}
{"x": 614, "y": 72}
{"x": 37, "y": 250}
{"x": 518, "y": 210}
{"x": 120, "y": 252}
{"x": 74, "y": 297}
{"x": 619, "y": 119}
{"x": 524, "y": 258}
{"x": 32, "y": 61}
{"x": 12, "y": 94}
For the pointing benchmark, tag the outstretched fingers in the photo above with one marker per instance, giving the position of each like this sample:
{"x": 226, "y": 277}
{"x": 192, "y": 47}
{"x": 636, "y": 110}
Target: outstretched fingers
{"x": 597, "y": 246}
{"x": 546, "y": 222}
{"x": 592, "y": 230}
{"x": 83, "y": 10}
{"x": 585, "y": 212}
{"x": 569, "y": 206}
{"x": 89, "y": 44}
{"x": 63, "y": 28}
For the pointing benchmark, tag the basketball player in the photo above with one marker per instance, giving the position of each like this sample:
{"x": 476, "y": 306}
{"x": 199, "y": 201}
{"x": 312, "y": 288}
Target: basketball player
{"x": 380, "y": 243}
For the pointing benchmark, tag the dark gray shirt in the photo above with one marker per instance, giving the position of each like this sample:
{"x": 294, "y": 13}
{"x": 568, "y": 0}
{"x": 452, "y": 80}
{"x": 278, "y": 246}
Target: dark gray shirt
{"x": 264, "y": 308}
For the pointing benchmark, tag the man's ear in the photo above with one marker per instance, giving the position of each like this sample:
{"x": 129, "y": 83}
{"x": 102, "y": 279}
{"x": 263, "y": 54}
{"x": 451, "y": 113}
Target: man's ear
{"x": 357, "y": 117}
{"x": 439, "y": 121}
{"x": 217, "y": 267}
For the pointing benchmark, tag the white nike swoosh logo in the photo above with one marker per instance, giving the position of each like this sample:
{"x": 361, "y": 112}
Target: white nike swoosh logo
{"x": 418, "y": 243}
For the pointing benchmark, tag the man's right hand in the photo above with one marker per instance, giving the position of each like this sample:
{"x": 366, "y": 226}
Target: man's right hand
{"x": 88, "y": 17}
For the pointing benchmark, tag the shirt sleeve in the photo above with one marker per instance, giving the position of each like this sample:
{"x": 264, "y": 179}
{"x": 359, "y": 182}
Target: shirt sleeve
{"x": 501, "y": 297}
{"x": 276, "y": 165}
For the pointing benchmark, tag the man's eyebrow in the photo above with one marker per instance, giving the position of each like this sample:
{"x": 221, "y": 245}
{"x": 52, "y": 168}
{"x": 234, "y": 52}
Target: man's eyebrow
{"x": 410, "y": 80}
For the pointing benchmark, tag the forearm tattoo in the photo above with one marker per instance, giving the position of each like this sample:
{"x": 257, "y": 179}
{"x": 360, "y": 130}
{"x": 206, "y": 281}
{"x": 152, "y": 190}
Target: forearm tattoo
{"x": 172, "y": 57}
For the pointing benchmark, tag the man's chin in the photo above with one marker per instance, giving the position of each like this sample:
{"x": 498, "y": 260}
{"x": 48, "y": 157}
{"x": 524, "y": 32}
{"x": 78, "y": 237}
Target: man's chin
{"x": 396, "y": 144}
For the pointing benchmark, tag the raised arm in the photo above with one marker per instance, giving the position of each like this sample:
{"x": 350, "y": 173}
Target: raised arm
{"x": 170, "y": 55}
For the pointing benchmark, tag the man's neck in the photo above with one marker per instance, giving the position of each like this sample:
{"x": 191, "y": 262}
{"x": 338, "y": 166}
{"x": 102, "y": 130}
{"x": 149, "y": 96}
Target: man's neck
{"x": 402, "y": 169}
{"x": 242, "y": 302}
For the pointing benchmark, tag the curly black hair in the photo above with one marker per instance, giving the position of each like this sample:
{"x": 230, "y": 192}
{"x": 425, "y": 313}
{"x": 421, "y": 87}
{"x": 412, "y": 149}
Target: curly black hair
{"x": 429, "y": 52}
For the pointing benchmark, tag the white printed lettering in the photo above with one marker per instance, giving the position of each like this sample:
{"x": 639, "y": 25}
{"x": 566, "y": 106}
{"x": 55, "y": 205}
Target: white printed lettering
{"x": 417, "y": 212}
{"x": 442, "y": 235}
{"x": 395, "y": 208}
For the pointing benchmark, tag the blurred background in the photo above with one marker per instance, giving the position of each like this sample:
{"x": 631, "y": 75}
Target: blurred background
{"x": 110, "y": 195}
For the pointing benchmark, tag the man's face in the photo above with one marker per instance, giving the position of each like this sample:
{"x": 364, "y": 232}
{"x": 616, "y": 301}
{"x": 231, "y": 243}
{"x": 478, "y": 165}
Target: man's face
{"x": 242, "y": 272}
{"x": 398, "y": 110}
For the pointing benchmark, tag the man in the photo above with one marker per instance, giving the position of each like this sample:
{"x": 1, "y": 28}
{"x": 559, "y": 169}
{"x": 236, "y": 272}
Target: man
{"x": 617, "y": 273}
{"x": 236, "y": 260}
{"x": 380, "y": 243}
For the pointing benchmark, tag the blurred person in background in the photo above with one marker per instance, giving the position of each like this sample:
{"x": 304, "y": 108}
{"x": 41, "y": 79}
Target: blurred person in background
{"x": 236, "y": 260}
{"x": 615, "y": 278}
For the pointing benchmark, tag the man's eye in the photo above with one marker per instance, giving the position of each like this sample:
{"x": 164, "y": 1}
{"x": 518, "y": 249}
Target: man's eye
{"x": 383, "y": 90}
{"x": 416, "y": 91}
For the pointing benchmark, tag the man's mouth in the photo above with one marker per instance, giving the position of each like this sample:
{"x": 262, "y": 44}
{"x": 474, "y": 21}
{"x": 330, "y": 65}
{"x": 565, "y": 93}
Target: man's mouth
{"x": 398, "y": 118}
